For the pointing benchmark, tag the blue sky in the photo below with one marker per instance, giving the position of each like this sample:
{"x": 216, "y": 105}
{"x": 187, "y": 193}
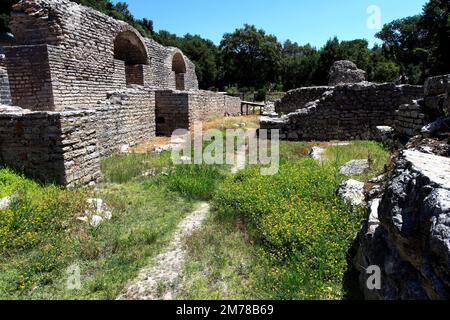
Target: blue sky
{"x": 302, "y": 21}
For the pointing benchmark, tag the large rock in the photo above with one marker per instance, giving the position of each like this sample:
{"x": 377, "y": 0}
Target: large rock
{"x": 354, "y": 167}
{"x": 411, "y": 243}
{"x": 345, "y": 72}
{"x": 352, "y": 191}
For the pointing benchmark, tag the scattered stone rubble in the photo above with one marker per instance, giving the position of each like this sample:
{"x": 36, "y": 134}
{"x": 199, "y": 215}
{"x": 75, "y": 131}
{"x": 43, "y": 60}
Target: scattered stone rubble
{"x": 352, "y": 191}
{"x": 97, "y": 213}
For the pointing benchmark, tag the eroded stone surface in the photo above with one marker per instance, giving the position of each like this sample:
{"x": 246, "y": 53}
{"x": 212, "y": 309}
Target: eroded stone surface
{"x": 355, "y": 167}
{"x": 345, "y": 72}
{"x": 352, "y": 191}
{"x": 411, "y": 242}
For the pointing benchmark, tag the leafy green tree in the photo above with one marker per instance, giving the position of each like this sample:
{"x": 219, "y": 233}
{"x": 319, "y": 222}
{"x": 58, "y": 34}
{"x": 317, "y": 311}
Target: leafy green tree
{"x": 251, "y": 58}
{"x": 331, "y": 52}
{"x": 299, "y": 65}
{"x": 382, "y": 69}
{"x": 435, "y": 24}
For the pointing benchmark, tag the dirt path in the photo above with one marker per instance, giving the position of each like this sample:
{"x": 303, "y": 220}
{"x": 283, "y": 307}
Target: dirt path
{"x": 159, "y": 281}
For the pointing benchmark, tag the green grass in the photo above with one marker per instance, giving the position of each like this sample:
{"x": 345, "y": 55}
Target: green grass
{"x": 271, "y": 237}
{"x": 296, "y": 232}
{"x": 41, "y": 237}
{"x": 373, "y": 151}
{"x": 121, "y": 168}
{"x": 221, "y": 262}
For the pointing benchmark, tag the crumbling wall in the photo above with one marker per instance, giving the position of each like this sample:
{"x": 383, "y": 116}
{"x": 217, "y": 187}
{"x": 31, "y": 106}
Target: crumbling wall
{"x": 50, "y": 146}
{"x": 348, "y": 112}
{"x": 297, "y": 99}
{"x": 412, "y": 117}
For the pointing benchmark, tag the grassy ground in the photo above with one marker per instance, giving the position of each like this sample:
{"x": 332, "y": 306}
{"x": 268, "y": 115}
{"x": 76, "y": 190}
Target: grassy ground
{"x": 280, "y": 237}
{"x": 41, "y": 237}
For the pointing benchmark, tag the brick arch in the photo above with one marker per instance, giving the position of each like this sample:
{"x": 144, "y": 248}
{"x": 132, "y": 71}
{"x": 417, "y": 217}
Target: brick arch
{"x": 179, "y": 68}
{"x": 130, "y": 48}
{"x": 178, "y": 63}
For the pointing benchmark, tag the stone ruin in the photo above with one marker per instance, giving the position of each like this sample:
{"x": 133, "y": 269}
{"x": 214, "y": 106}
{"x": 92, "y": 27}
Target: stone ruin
{"x": 344, "y": 112}
{"x": 78, "y": 85}
{"x": 407, "y": 234}
{"x": 344, "y": 72}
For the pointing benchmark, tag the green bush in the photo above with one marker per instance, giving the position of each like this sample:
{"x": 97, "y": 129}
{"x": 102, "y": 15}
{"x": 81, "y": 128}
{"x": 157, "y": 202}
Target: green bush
{"x": 305, "y": 230}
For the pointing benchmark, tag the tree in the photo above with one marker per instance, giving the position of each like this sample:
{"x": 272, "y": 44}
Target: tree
{"x": 251, "y": 58}
{"x": 5, "y": 13}
{"x": 435, "y": 23}
{"x": 299, "y": 65}
{"x": 330, "y": 53}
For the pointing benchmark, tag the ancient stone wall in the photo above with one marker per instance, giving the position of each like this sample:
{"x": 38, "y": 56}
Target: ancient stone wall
{"x": 126, "y": 118}
{"x": 297, "y": 99}
{"x": 412, "y": 117}
{"x": 205, "y": 104}
{"x": 5, "y": 94}
{"x": 83, "y": 51}
{"x": 29, "y": 77}
{"x": 180, "y": 109}
{"x": 172, "y": 112}
{"x": 51, "y": 147}
{"x": 348, "y": 112}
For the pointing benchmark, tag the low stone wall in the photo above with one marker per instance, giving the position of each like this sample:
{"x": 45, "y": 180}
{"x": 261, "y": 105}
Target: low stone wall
{"x": 127, "y": 118}
{"x": 5, "y": 94}
{"x": 180, "y": 109}
{"x": 204, "y": 104}
{"x": 347, "y": 112}
{"x": 51, "y": 147}
{"x": 297, "y": 99}
{"x": 66, "y": 147}
{"x": 412, "y": 117}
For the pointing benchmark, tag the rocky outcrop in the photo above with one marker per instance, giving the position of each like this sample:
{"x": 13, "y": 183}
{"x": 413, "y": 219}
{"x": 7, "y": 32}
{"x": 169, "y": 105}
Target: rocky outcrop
{"x": 408, "y": 233}
{"x": 346, "y": 72}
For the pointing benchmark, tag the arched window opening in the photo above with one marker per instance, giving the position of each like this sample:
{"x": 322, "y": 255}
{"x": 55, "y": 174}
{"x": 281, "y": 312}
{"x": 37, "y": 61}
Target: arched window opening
{"x": 129, "y": 48}
{"x": 179, "y": 67}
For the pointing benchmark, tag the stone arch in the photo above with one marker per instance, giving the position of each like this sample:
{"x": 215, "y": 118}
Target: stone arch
{"x": 179, "y": 68}
{"x": 130, "y": 48}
